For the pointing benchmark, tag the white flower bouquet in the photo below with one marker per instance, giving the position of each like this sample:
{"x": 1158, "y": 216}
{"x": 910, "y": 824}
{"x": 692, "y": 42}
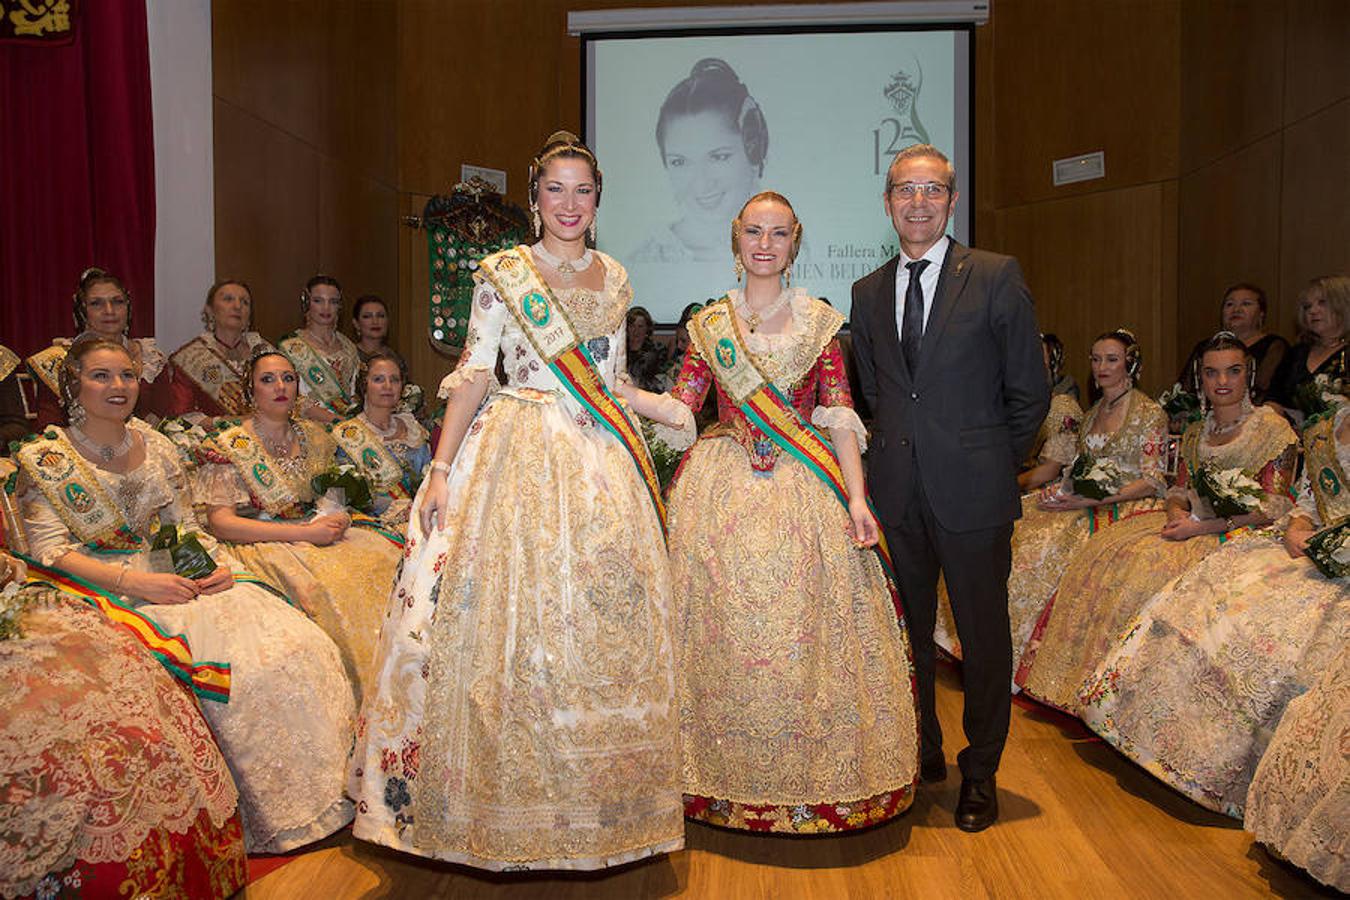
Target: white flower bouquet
{"x": 1096, "y": 478}
{"x": 1329, "y": 549}
{"x": 1230, "y": 492}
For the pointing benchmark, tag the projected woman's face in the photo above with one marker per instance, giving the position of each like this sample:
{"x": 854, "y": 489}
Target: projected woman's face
{"x": 709, "y": 171}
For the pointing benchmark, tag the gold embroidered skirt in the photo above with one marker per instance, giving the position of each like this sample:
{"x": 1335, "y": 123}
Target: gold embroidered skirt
{"x": 1103, "y": 588}
{"x": 796, "y": 695}
{"x": 1043, "y": 542}
{"x": 522, "y": 715}
{"x": 1299, "y": 801}
{"x": 344, "y": 587}
{"x": 287, "y": 728}
{"x": 1203, "y": 675}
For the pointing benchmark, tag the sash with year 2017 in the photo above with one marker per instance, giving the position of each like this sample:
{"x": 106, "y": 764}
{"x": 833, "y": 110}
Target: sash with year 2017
{"x": 513, "y": 275}
{"x": 715, "y": 335}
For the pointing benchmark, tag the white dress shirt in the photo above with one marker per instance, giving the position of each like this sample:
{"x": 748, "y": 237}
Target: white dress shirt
{"x": 927, "y": 280}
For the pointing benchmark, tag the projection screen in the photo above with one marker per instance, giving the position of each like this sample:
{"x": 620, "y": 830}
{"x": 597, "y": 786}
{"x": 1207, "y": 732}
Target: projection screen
{"x": 815, "y": 115}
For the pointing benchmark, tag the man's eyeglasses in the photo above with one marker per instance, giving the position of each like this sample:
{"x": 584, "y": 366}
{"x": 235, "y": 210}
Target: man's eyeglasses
{"x": 933, "y": 190}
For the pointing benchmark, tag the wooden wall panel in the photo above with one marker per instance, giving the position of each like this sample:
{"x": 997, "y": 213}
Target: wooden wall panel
{"x": 1100, "y": 261}
{"x": 1229, "y": 232}
{"x": 306, "y": 148}
{"x": 1070, "y": 77}
{"x": 266, "y": 58}
{"x": 267, "y": 192}
{"x": 1317, "y": 64}
{"x": 357, "y": 222}
{"x": 1232, "y": 91}
{"x": 1315, "y": 220}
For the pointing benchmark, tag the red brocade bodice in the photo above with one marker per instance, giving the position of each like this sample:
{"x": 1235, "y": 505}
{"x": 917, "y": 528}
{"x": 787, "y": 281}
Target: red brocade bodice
{"x": 825, "y": 384}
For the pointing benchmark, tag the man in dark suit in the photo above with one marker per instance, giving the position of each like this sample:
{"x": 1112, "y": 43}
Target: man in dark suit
{"x": 949, "y": 359}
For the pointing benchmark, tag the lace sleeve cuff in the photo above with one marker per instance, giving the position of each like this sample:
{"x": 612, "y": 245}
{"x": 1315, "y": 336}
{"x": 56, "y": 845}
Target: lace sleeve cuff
{"x": 682, "y": 434}
{"x": 218, "y": 485}
{"x": 840, "y": 417}
{"x": 48, "y": 537}
{"x": 461, "y": 376}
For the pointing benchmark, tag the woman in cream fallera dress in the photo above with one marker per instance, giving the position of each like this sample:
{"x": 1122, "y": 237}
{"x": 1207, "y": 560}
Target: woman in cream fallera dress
{"x": 1110, "y": 579}
{"x": 288, "y": 720}
{"x": 341, "y": 585}
{"x": 522, "y": 715}
{"x": 1199, "y": 681}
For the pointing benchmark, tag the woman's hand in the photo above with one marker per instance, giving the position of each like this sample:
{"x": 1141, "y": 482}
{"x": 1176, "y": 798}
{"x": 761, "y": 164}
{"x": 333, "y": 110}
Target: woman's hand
{"x": 222, "y": 579}
{"x": 434, "y": 502}
{"x": 1296, "y": 537}
{"x": 160, "y": 587}
{"x": 1056, "y": 500}
{"x": 1182, "y": 529}
{"x": 862, "y": 524}
{"x": 325, "y": 530}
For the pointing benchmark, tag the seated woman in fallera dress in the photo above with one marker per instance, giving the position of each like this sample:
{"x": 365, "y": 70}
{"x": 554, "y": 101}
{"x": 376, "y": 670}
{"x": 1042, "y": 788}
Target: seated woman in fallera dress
{"x": 524, "y": 714}
{"x": 370, "y": 323}
{"x": 389, "y": 446}
{"x": 93, "y": 496}
{"x": 1197, "y": 684}
{"x": 325, "y": 359}
{"x": 102, "y": 306}
{"x": 795, "y": 688}
{"x": 1123, "y": 436}
{"x": 76, "y": 690}
{"x": 255, "y": 478}
{"x": 1118, "y": 570}
{"x": 206, "y": 375}
{"x": 1299, "y": 802}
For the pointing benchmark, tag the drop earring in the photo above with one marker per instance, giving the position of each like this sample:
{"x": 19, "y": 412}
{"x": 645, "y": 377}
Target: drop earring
{"x": 740, "y": 270}
{"x": 591, "y": 230}
{"x": 76, "y": 413}
{"x": 534, "y": 219}
{"x": 787, "y": 277}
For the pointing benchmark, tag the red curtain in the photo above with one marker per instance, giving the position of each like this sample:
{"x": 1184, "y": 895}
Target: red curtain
{"x": 77, "y": 172}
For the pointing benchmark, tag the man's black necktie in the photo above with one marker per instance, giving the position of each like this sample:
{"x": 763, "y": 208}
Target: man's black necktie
{"x": 913, "y": 320}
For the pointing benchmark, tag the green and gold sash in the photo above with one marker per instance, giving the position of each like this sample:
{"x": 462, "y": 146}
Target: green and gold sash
{"x": 70, "y": 486}
{"x": 46, "y": 365}
{"x": 324, "y": 384}
{"x": 212, "y": 373}
{"x": 716, "y": 337}
{"x": 364, "y": 447}
{"x": 9, "y": 361}
{"x": 270, "y": 489}
{"x": 513, "y": 275}
{"x": 1330, "y": 490}
{"x": 208, "y": 680}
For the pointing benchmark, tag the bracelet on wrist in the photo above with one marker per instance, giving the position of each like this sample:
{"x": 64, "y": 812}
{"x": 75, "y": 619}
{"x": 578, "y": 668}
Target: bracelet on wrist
{"x": 440, "y": 466}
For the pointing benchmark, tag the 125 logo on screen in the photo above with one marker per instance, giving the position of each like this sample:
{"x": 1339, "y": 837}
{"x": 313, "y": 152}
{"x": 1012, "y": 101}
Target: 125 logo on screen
{"x": 895, "y": 133}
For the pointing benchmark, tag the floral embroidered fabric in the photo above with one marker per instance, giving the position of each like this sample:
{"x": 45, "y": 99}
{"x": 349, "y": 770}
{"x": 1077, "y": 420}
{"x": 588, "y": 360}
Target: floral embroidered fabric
{"x": 522, "y": 715}
{"x": 286, "y": 728}
{"x": 99, "y": 748}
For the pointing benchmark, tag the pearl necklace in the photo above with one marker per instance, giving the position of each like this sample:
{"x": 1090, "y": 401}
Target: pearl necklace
{"x": 566, "y": 269}
{"x": 105, "y": 452}
{"x": 754, "y": 318}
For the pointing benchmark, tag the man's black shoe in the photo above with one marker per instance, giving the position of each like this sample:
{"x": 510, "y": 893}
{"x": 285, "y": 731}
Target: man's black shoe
{"x": 977, "y": 808}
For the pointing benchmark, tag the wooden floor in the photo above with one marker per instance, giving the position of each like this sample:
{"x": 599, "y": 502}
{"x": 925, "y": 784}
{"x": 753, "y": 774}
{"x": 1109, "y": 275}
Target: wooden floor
{"x": 1078, "y": 820}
